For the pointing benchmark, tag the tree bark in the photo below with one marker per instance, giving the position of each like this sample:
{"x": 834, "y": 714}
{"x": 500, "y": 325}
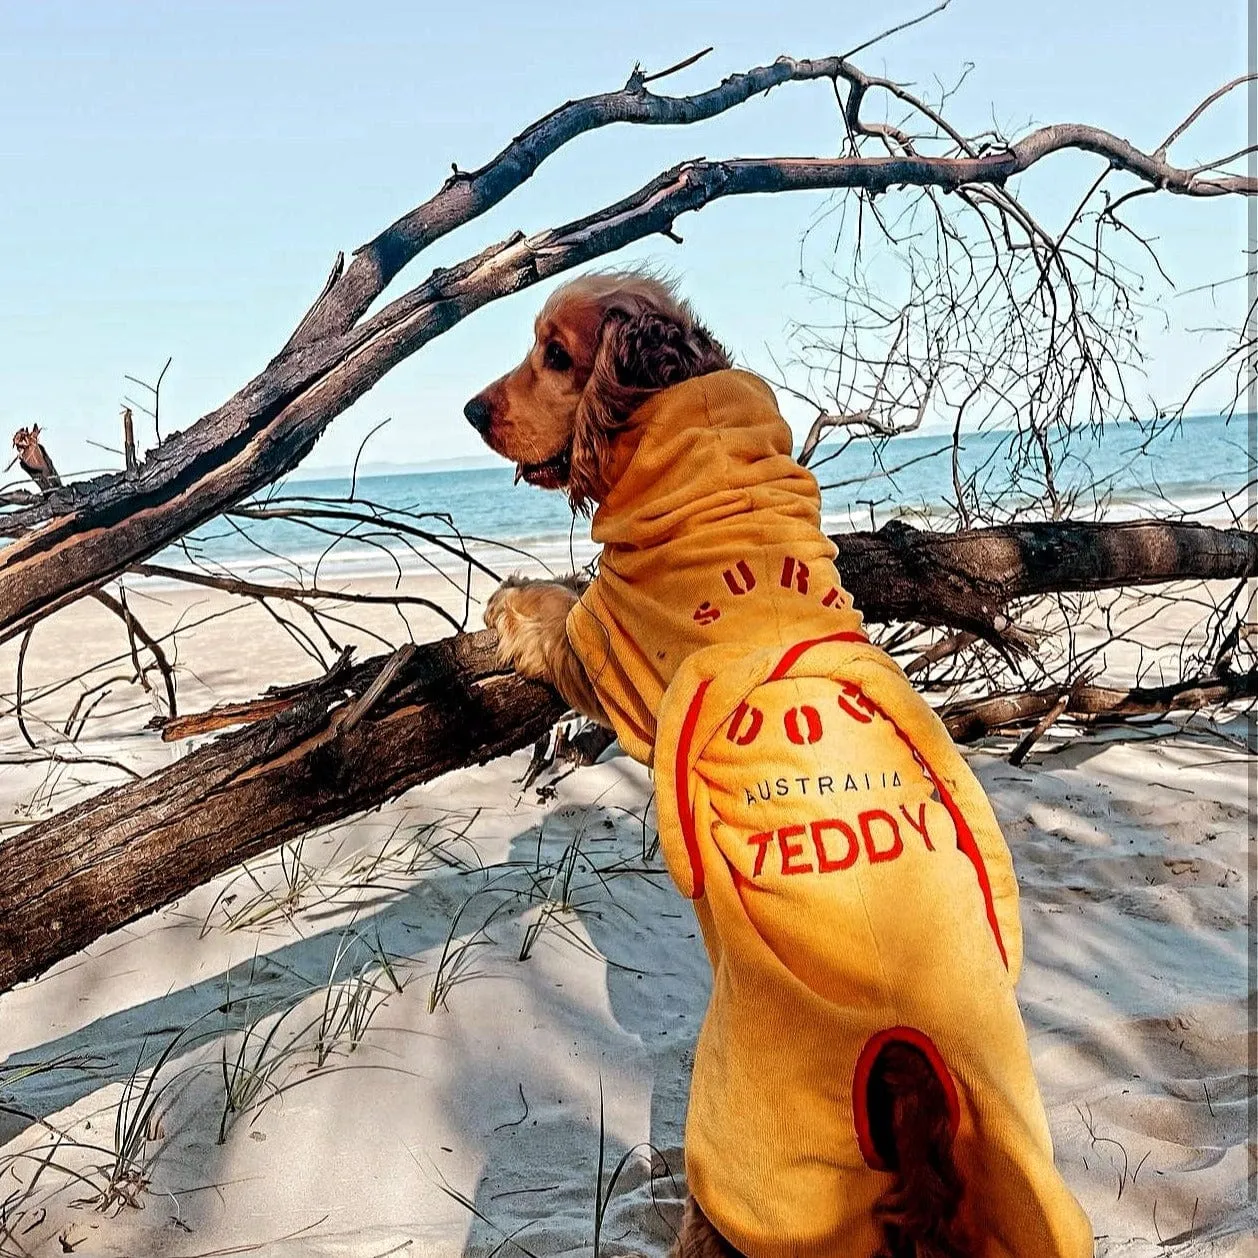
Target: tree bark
{"x": 323, "y": 754}
{"x": 967, "y": 580}
{"x": 970, "y": 720}
{"x": 130, "y": 850}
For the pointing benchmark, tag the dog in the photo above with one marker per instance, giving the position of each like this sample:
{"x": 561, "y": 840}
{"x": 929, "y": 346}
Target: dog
{"x": 862, "y": 1083}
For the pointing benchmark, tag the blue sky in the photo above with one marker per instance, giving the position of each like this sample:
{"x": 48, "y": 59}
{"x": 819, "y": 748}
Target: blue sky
{"x": 175, "y": 178}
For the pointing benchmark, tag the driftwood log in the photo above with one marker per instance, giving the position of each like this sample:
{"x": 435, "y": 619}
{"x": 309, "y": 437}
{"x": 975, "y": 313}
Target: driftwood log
{"x": 362, "y": 735}
{"x": 128, "y": 851}
{"x": 970, "y": 720}
{"x": 967, "y": 580}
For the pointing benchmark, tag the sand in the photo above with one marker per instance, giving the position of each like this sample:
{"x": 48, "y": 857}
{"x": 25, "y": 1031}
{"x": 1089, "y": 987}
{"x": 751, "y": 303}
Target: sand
{"x": 469, "y": 1111}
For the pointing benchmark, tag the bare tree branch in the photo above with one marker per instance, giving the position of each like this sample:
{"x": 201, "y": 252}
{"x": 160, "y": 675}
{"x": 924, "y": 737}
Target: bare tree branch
{"x": 135, "y": 630}
{"x": 87, "y": 533}
{"x": 103, "y": 863}
{"x": 969, "y": 721}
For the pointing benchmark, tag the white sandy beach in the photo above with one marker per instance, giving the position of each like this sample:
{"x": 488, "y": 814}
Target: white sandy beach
{"x": 464, "y": 1113}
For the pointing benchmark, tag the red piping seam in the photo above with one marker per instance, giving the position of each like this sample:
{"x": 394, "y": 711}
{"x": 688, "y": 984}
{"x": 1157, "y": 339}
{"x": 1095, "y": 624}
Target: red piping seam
{"x": 860, "y": 1086}
{"x": 788, "y": 660}
{"x": 965, "y": 836}
{"x": 681, "y": 766}
{"x": 681, "y": 779}
{"x": 741, "y": 881}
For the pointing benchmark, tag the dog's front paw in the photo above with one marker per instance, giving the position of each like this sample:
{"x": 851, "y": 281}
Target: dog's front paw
{"x": 504, "y": 615}
{"x": 529, "y": 616}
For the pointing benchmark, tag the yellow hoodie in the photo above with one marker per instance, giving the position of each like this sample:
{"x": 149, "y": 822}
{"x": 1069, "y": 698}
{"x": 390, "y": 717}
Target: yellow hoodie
{"x": 847, "y": 871}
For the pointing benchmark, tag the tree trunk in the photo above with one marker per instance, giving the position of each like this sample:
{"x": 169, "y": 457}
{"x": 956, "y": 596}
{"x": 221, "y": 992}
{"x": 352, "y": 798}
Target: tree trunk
{"x": 130, "y": 850}
{"x": 967, "y": 580}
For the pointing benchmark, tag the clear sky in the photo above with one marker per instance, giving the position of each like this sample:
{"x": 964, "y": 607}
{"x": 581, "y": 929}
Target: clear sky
{"x": 176, "y": 177}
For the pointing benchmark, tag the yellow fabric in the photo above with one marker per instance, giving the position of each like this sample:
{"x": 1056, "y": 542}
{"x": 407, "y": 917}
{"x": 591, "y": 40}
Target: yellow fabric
{"x": 847, "y": 870}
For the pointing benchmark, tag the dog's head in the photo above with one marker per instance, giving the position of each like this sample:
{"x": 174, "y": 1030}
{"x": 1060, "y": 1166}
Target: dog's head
{"x": 602, "y": 345}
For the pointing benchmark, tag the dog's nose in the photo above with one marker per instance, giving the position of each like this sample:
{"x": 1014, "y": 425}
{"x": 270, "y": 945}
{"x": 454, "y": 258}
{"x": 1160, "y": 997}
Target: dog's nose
{"x": 479, "y": 415}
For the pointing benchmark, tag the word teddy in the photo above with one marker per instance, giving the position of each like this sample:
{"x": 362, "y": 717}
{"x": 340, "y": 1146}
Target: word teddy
{"x": 835, "y": 843}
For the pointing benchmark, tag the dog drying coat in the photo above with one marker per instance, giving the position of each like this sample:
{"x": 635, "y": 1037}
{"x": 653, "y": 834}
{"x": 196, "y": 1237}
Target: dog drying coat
{"x": 849, "y": 877}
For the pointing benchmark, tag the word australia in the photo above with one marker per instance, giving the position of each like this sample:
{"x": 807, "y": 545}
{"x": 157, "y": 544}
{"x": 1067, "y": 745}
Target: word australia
{"x": 768, "y": 789}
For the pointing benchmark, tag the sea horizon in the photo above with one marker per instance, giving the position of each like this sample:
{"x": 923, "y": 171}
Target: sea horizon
{"x": 476, "y": 507}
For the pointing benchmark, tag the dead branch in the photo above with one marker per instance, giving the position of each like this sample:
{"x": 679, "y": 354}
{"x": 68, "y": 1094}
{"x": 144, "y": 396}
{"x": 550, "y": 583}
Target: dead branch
{"x": 154, "y": 410}
{"x": 1046, "y": 722}
{"x": 967, "y": 580}
{"x": 34, "y": 459}
{"x": 277, "y": 699}
{"x": 18, "y": 688}
{"x": 127, "y": 851}
{"x": 90, "y": 532}
{"x": 944, "y": 649}
{"x": 226, "y": 715}
{"x": 288, "y": 593}
{"x": 1042, "y": 726}
{"x": 135, "y": 631}
{"x": 128, "y": 442}
{"x": 969, "y": 720}
{"x": 308, "y": 509}
{"x": 138, "y": 846}
{"x": 468, "y": 194}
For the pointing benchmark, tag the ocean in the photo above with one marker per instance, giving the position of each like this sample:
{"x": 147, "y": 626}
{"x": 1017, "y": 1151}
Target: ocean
{"x": 1187, "y": 467}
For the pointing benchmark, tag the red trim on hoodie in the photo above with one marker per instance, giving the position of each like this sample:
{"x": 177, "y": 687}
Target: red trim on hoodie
{"x": 860, "y": 1085}
{"x": 681, "y": 779}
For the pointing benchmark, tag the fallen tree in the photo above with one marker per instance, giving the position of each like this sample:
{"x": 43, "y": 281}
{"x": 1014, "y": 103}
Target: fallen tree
{"x": 328, "y": 755}
{"x": 970, "y": 720}
{"x": 968, "y": 579}
{"x": 362, "y": 734}
{"x": 359, "y": 736}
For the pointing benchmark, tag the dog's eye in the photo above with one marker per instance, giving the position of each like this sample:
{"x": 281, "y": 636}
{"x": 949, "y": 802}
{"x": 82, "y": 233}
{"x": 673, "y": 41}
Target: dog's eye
{"x": 556, "y": 357}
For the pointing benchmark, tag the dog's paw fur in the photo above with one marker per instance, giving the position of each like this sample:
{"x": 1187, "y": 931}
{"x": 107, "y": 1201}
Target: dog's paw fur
{"x": 528, "y": 616}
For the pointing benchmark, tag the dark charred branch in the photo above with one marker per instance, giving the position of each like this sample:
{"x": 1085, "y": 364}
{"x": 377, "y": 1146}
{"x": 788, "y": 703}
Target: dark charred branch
{"x": 967, "y": 580}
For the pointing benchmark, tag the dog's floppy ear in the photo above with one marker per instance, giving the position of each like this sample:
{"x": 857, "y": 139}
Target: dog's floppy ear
{"x": 604, "y": 405}
{"x": 655, "y": 350}
{"x": 639, "y": 353}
